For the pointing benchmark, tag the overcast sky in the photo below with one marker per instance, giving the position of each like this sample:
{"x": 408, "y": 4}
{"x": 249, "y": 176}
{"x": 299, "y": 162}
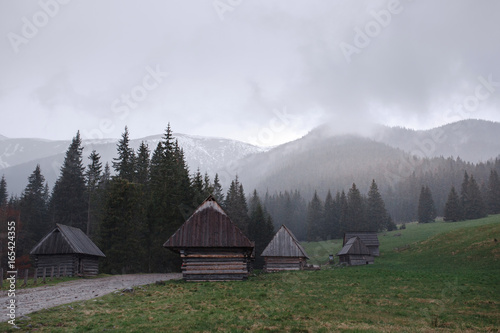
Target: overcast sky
{"x": 264, "y": 72}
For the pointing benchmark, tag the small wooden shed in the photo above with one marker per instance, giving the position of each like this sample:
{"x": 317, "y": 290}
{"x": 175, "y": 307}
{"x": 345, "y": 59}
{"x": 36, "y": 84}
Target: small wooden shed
{"x": 284, "y": 252}
{"x": 355, "y": 252}
{"x": 69, "y": 251}
{"x": 211, "y": 246}
{"x": 370, "y": 239}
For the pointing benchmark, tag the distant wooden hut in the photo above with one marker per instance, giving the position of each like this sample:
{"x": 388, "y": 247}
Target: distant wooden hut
{"x": 370, "y": 239}
{"x": 355, "y": 252}
{"x": 211, "y": 246}
{"x": 69, "y": 251}
{"x": 284, "y": 252}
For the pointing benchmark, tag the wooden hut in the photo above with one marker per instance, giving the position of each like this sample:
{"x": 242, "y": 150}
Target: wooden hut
{"x": 355, "y": 252}
{"x": 69, "y": 251}
{"x": 370, "y": 239}
{"x": 211, "y": 246}
{"x": 284, "y": 252}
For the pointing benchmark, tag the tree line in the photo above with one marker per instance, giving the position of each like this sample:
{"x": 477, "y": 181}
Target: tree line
{"x": 131, "y": 212}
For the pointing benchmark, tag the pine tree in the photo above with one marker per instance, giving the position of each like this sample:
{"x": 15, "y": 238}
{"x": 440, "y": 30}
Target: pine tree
{"x": 197, "y": 186}
{"x": 142, "y": 164}
{"x": 236, "y": 205}
{"x": 3, "y": 192}
{"x": 217, "y": 190}
{"x": 426, "y": 208}
{"x": 208, "y": 188}
{"x": 465, "y": 197}
{"x": 356, "y": 212}
{"x": 123, "y": 229}
{"x": 33, "y": 208}
{"x": 124, "y": 164}
{"x": 260, "y": 228}
{"x": 376, "y": 212}
{"x": 331, "y": 218}
{"x": 170, "y": 201}
{"x": 315, "y": 218}
{"x": 476, "y": 208}
{"x": 69, "y": 199}
{"x": 493, "y": 193}
{"x": 92, "y": 177}
{"x": 344, "y": 208}
{"x": 452, "y": 209}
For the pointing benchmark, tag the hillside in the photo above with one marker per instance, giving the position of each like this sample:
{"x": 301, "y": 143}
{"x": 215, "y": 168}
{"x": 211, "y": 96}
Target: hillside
{"x": 445, "y": 277}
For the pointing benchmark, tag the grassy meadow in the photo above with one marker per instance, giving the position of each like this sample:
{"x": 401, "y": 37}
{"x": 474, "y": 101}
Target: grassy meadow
{"x": 438, "y": 277}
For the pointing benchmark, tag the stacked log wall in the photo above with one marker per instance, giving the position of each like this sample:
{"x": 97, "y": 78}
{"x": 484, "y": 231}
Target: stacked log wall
{"x": 68, "y": 261}
{"x": 214, "y": 266}
{"x": 276, "y": 264}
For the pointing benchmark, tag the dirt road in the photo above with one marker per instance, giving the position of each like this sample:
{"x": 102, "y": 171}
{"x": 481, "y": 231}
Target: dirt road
{"x": 34, "y": 299}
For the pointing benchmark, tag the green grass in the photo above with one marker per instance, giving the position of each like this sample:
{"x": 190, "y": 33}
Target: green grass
{"x": 447, "y": 279}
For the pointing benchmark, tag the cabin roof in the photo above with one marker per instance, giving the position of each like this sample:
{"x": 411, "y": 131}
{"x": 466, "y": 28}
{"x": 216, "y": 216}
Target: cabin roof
{"x": 209, "y": 226}
{"x": 368, "y": 238}
{"x": 284, "y": 244}
{"x": 354, "y": 246}
{"x": 64, "y": 239}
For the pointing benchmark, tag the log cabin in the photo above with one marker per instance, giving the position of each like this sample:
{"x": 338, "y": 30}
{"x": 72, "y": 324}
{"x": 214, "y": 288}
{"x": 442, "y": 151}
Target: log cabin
{"x": 370, "y": 240}
{"x": 211, "y": 246}
{"x": 355, "y": 252}
{"x": 69, "y": 250}
{"x": 284, "y": 252}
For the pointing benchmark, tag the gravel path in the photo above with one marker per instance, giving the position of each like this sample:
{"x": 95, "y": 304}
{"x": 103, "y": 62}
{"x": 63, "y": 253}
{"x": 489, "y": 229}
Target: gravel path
{"x": 34, "y": 299}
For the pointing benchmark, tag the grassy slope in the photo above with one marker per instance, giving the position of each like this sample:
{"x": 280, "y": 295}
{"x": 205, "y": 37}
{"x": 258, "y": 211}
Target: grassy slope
{"x": 447, "y": 280}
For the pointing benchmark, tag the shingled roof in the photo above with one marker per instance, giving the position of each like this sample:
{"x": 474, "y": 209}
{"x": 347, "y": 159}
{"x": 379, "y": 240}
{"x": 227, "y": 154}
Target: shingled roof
{"x": 368, "y": 238}
{"x": 284, "y": 244}
{"x": 354, "y": 246}
{"x": 209, "y": 226}
{"x": 66, "y": 240}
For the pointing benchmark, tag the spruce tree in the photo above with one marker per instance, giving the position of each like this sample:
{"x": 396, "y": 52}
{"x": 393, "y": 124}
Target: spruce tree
{"x": 236, "y": 205}
{"x": 344, "y": 208}
{"x": 426, "y": 208}
{"x": 34, "y": 211}
{"x": 69, "y": 199}
{"x": 315, "y": 218}
{"x": 356, "y": 212}
{"x": 260, "y": 228}
{"x": 452, "y": 209}
{"x": 170, "y": 201}
{"x": 376, "y": 212}
{"x": 123, "y": 229}
{"x": 331, "y": 218}
{"x": 198, "y": 190}
{"x": 476, "y": 208}
{"x": 217, "y": 190}
{"x": 208, "y": 188}
{"x": 493, "y": 193}
{"x": 124, "y": 164}
{"x": 3, "y": 192}
{"x": 142, "y": 164}
{"x": 92, "y": 177}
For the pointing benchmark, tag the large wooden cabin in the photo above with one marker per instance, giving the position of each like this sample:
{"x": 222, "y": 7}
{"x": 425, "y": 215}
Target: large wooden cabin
{"x": 69, "y": 251}
{"x": 284, "y": 252}
{"x": 211, "y": 246}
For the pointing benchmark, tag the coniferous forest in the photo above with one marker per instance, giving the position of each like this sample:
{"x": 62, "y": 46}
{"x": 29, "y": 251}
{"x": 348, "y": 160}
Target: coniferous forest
{"x": 131, "y": 207}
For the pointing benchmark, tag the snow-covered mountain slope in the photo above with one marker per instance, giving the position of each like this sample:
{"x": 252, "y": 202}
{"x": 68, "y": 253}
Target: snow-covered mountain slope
{"x": 19, "y": 157}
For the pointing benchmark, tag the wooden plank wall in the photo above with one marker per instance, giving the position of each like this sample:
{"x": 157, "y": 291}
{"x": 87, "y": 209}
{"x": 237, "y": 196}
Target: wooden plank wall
{"x": 276, "y": 264}
{"x": 204, "y": 266}
{"x": 49, "y": 261}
